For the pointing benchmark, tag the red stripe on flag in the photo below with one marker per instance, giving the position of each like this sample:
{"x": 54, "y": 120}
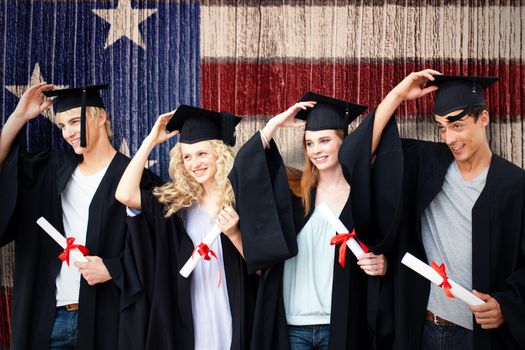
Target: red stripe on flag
{"x": 6, "y": 297}
{"x": 248, "y": 88}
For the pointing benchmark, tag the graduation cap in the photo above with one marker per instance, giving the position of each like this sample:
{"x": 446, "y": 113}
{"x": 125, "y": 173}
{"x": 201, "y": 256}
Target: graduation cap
{"x": 459, "y": 92}
{"x": 329, "y": 113}
{"x": 66, "y": 99}
{"x": 197, "y": 124}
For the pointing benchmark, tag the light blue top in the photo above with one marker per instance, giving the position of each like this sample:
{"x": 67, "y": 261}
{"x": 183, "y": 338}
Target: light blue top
{"x": 308, "y": 277}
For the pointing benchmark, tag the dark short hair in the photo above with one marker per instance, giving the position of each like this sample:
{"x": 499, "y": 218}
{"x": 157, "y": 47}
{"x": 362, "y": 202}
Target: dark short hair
{"x": 476, "y": 112}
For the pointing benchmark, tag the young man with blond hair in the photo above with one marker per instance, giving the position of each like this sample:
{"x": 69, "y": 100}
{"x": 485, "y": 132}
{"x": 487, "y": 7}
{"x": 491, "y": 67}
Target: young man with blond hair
{"x": 56, "y": 304}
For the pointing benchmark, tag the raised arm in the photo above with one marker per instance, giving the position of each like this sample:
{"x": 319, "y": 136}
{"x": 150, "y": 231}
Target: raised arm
{"x": 286, "y": 118}
{"x": 31, "y": 105}
{"x": 262, "y": 198}
{"x": 410, "y": 88}
{"x": 128, "y": 190}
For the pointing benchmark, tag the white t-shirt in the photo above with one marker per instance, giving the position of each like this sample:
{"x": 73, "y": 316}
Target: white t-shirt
{"x": 76, "y": 199}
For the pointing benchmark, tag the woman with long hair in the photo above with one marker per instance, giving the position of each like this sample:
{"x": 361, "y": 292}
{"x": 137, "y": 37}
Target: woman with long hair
{"x": 312, "y": 294}
{"x": 211, "y": 308}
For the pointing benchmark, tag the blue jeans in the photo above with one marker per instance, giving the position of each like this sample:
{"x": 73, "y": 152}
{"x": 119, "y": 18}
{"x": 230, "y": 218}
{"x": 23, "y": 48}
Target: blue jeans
{"x": 309, "y": 337}
{"x": 446, "y": 338}
{"x": 64, "y": 335}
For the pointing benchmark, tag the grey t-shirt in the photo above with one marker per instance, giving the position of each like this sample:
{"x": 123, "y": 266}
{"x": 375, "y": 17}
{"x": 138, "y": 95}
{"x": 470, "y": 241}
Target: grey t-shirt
{"x": 446, "y": 228}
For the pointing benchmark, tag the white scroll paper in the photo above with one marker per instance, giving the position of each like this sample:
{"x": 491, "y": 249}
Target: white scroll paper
{"x": 192, "y": 262}
{"x": 340, "y": 228}
{"x": 75, "y": 254}
{"x": 433, "y": 276}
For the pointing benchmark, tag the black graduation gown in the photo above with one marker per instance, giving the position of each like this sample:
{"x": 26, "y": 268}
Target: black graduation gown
{"x": 30, "y": 187}
{"x": 405, "y": 178}
{"x": 262, "y": 191}
{"x": 157, "y": 313}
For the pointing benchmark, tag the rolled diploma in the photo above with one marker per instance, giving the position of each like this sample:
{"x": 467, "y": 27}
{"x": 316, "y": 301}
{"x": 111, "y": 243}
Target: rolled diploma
{"x": 194, "y": 259}
{"x": 340, "y": 228}
{"x": 61, "y": 240}
{"x": 429, "y": 273}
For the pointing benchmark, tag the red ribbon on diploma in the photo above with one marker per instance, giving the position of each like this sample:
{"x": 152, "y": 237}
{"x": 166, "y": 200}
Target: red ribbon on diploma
{"x": 204, "y": 251}
{"x": 64, "y": 256}
{"x": 341, "y": 239}
{"x": 443, "y": 273}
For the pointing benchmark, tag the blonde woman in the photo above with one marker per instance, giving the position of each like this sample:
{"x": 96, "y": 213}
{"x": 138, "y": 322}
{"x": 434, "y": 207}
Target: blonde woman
{"x": 193, "y": 313}
{"x": 310, "y": 296}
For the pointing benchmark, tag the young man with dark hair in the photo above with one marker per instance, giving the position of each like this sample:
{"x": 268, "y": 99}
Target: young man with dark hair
{"x": 452, "y": 202}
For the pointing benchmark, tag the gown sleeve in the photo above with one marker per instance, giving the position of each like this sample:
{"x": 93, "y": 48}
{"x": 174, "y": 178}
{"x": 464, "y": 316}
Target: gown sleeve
{"x": 153, "y": 312}
{"x": 139, "y": 254}
{"x": 263, "y": 201}
{"x": 375, "y": 193}
{"x": 376, "y": 184}
{"x": 512, "y": 299}
{"x": 19, "y": 169}
{"x": 115, "y": 265}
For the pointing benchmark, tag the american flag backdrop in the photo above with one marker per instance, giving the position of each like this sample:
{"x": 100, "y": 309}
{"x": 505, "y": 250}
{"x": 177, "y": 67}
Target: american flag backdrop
{"x": 254, "y": 59}
{"x": 148, "y": 51}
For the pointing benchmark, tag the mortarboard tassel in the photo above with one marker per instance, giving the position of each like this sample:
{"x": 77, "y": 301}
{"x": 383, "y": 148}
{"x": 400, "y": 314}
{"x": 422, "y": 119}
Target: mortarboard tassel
{"x": 83, "y": 142}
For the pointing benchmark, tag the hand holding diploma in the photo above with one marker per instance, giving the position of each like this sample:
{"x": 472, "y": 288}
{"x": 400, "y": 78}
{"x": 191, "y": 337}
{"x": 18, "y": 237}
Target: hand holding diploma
{"x": 488, "y": 315}
{"x": 227, "y": 222}
{"x": 452, "y": 289}
{"x": 77, "y": 251}
{"x": 94, "y": 271}
{"x": 372, "y": 264}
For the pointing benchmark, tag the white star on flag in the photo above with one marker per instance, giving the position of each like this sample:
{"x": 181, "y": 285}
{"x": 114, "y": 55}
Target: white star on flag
{"x": 36, "y": 78}
{"x": 124, "y": 22}
{"x": 124, "y": 149}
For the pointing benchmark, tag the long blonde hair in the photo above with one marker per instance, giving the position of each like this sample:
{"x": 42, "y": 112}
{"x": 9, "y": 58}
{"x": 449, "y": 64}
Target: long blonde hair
{"x": 301, "y": 184}
{"x": 183, "y": 190}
